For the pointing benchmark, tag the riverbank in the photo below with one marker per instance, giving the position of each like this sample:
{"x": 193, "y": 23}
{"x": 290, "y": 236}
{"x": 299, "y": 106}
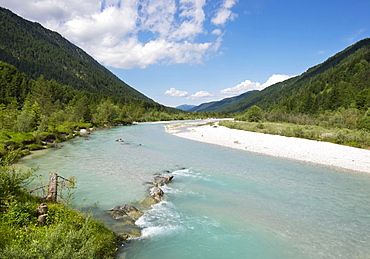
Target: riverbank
{"x": 311, "y": 151}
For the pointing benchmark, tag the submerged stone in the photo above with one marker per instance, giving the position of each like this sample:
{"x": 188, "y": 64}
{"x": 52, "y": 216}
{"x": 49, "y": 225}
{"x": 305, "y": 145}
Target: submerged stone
{"x": 133, "y": 232}
{"x": 124, "y": 211}
{"x": 148, "y": 201}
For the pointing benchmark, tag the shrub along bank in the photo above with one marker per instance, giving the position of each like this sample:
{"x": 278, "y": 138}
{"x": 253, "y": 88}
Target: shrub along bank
{"x": 66, "y": 233}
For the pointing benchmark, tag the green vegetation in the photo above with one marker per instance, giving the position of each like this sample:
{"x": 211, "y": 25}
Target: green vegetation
{"x": 65, "y": 234}
{"x": 350, "y": 118}
{"x": 253, "y": 114}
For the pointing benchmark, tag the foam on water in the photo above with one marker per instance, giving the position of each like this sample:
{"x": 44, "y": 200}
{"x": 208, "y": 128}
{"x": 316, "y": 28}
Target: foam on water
{"x": 169, "y": 190}
{"x": 162, "y": 219}
{"x": 189, "y": 172}
{"x": 155, "y": 232}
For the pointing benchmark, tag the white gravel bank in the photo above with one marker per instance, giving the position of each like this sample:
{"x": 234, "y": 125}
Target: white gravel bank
{"x": 294, "y": 148}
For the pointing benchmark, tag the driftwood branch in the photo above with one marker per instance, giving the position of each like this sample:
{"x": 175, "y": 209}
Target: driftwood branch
{"x": 64, "y": 178}
{"x": 35, "y": 189}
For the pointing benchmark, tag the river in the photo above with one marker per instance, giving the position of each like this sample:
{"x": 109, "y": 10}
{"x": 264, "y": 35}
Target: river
{"x": 221, "y": 203}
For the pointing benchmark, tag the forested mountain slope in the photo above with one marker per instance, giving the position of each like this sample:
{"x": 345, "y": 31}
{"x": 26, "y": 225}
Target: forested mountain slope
{"x": 220, "y": 106}
{"x": 37, "y": 51}
{"x": 341, "y": 81}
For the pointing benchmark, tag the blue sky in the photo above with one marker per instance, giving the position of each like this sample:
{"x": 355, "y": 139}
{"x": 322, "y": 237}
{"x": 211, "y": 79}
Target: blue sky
{"x": 194, "y": 51}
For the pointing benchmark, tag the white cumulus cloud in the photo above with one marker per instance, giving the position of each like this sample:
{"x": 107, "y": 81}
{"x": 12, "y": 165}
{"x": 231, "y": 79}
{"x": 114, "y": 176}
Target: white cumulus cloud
{"x": 176, "y": 93}
{"x": 243, "y": 87}
{"x": 134, "y": 33}
{"x": 217, "y": 32}
{"x": 224, "y": 13}
{"x": 199, "y": 95}
{"x": 248, "y": 85}
{"x": 275, "y": 79}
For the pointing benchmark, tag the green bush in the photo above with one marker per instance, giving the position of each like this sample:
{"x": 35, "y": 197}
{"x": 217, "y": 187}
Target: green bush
{"x": 19, "y": 214}
{"x": 71, "y": 235}
{"x": 254, "y": 114}
{"x": 288, "y": 132}
{"x": 260, "y": 126}
{"x": 12, "y": 181}
{"x": 67, "y": 233}
{"x": 364, "y": 122}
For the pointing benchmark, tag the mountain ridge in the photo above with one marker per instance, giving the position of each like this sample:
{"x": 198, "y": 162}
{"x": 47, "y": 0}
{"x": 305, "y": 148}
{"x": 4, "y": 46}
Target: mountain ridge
{"x": 218, "y": 105}
{"x": 35, "y": 51}
{"x": 185, "y": 107}
{"x": 315, "y": 87}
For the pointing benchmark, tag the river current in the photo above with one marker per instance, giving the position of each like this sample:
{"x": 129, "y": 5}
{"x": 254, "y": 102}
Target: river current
{"x": 221, "y": 203}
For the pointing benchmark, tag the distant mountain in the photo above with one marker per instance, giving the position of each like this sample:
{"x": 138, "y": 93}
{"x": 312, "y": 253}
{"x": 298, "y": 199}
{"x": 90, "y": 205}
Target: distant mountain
{"x": 185, "y": 107}
{"x": 221, "y": 106}
{"x": 341, "y": 81}
{"x": 37, "y": 51}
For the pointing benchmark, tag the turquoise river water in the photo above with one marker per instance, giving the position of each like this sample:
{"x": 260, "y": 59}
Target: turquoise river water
{"x": 222, "y": 203}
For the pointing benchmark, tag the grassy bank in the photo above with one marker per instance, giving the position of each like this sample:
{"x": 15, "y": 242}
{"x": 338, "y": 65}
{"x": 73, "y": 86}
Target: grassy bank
{"x": 66, "y": 233}
{"x": 354, "y": 137}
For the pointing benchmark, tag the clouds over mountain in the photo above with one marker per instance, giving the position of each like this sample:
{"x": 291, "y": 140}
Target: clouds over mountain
{"x": 248, "y": 85}
{"x": 200, "y": 95}
{"x": 178, "y": 93}
{"x": 241, "y": 88}
{"x": 135, "y": 33}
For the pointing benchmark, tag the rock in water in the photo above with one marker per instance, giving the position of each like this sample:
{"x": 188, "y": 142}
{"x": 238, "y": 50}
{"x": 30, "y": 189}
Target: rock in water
{"x": 156, "y": 193}
{"x": 148, "y": 201}
{"x": 126, "y": 210}
{"x": 162, "y": 180}
{"x": 132, "y": 233}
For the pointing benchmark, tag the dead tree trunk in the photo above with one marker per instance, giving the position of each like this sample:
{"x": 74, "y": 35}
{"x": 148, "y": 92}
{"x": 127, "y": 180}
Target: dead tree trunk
{"x": 53, "y": 188}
